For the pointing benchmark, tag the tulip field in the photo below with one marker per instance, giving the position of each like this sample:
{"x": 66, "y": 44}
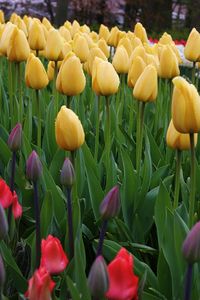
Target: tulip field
{"x": 99, "y": 163}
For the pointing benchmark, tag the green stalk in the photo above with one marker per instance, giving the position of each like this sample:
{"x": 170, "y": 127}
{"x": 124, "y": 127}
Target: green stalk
{"x": 55, "y": 93}
{"x": 21, "y": 104}
{"x": 177, "y": 178}
{"x": 193, "y": 72}
{"x": 97, "y": 130}
{"x": 39, "y": 128}
{"x": 192, "y": 180}
{"x": 69, "y": 99}
{"x": 108, "y": 124}
{"x": 130, "y": 127}
{"x": 10, "y": 88}
{"x": 139, "y": 139}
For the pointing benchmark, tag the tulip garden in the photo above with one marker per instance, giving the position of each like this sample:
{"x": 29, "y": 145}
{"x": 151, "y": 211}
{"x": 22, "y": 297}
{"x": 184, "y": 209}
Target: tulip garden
{"x": 99, "y": 163}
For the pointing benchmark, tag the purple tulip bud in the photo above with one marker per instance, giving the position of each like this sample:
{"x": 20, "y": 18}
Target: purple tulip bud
{"x": 3, "y": 223}
{"x": 98, "y": 280}
{"x": 33, "y": 167}
{"x": 67, "y": 177}
{"x": 2, "y": 273}
{"x": 110, "y": 206}
{"x": 15, "y": 138}
{"x": 191, "y": 245}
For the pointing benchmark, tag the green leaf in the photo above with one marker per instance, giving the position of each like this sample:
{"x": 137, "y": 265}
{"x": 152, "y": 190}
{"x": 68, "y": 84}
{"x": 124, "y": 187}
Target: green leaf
{"x": 73, "y": 289}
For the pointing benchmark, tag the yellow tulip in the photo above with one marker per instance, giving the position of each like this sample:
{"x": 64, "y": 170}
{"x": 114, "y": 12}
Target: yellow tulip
{"x": 140, "y": 32}
{"x": 5, "y": 38}
{"x": 51, "y": 69}
{"x": 18, "y": 48}
{"x": 85, "y": 29}
{"x": 75, "y": 27}
{"x": 185, "y": 106}
{"x": 71, "y": 79}
{"x": 192, "y": 47}
{"x": 54, "y": 45}
{"x": 136, "y": 69}
{"x": 46, "y": 23}
{"x": 104, "y": 32}
{"x": 146, "y": 87}
{"x": 177, "y": 140}
{"x": 121, "y": 60}
{"x": 65, "y": 33}
{"x": 113, "y": 38}
{"x": 138, "y": 51}
{"x": 81, "y": 48}
{"x": 152, "y": 60}
{"x": 2, "y": 20}
{"x": 168, "y": 63}
{"x": 21, "y": 25}
{"x": 105, "y": 80}
{"x": 13, "y": 17}
{"x": 104, "y": 47}
{"x": 165, "y": 39}
{"x": 127, "y": 45}
{"x": 35, "y": 74}
{"x": 94, "y": 36}
{"x": 94, "y": 52}
{"x": 68, "y": 130}
{"x": 36, "y": 37}
{"x": 66, "y": 48}
{"x": 68, "y": 25}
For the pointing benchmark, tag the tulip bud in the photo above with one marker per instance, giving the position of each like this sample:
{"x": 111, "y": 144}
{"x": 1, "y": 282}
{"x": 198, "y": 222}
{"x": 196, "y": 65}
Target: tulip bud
{"x": 85, "y": 29}
{"x": 104, "y": 47}
{"x": 110, "y": 206}
{"x": 5, "y": 38}
{"x": 35, "y": 74}
{"x": 94, "y": 52}
{"x": 36, "y": 37}
{"x": 146, "y": 87}
{"x": 104, "y": 32}
{"x": 168, "y": 57}
{"x": 18, "y": 48}
{"x": 185, "y": 106}
{"x": 191, "y": 245}
{"x": 3, "y": 224}
{"x": 165, "y": 39}
{"x": 138, "y": 51}
{"x": 15, "y": 138}
{"x": 54, "y": 45}
{"x": 2, "y": 273}
{"x": 177, "y": 140}
{"x": 81, "y": 48}
{"x": 74, "y": 28}
{"x": 121, "y": 60}
{"x": 136, "y": 69}
{"x": 192, "y": 46}
{"x": 65, "y": 33}
{"x": 33, "y": 167}
{"x": 2, "y": 20}
{"x": 140, "y": 32}
{"x": 67, "y": 177}
{"x": 126, "y": 43}
{"x": 105, "y": 80}
{"x": 113, "y": 38}
{"x": 71, "y": 79}
{"x": 68, "y": 129}
{"x": 46, "y": 23}
{"x": 98, "y": 280}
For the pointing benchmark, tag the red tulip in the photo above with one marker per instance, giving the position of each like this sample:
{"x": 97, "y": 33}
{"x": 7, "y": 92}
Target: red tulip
{"x": 53, "y": 258}
{"x": 5, "y": 194}
{"x": 16, "y": 206}
{"x": 123, "y": 281}
{"x": 40, "y": 286}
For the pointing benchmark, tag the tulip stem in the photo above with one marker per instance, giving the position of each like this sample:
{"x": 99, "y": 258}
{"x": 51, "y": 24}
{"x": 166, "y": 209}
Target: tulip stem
{"x": 10, "y": 82}
{"x": 55, "y": 93}
{"x": 192, "y": 180}
{"x": 139, "y": 138}
{"x": 101, "y": 237}
{"x": 188, "y": 282}
{"x": 193, "y": 72}
{"x": 177, "y": 178}
{"x": 12, "y": 180}
{"x": 130, "y": 127}
{"x": 97, "y": 130}
{"x": 69, "y": 99}
{"x": 37, "y": 222}
{"x": 39, "y": 129}
{"x": 70, "y": 223}
{"x": 108, "y": 143}
{"x": 20, "y": 92}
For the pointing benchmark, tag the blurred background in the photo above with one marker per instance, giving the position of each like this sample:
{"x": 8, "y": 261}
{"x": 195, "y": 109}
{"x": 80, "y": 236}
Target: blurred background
{"x": 176, "y": 17}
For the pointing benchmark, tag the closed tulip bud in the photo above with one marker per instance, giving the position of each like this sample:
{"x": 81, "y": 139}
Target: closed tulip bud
{"x": 5, "y": 38}
{"x": 113, "y": 38}
{"x": 67, "y": 176}
{"x": 81, "y": 48}
{"x": 51, "y": 70}
{"x": 35, "y": 74}
{"x": 191, "y": 245}
{"x": 66, "y": 48}
{"x": 74, "y": 28}
{"x": 121, "y": 60}
{"x": 104, "y": 47}
{"x": 94, "y": 52}
{"x": 3, "y": 224}
{"x": 98, "y": 280}
{"x": 36, "y": 37}
{"x": 152, "y": 60}
{"x": 136, "y": 69}
{"x": 21, "y": 25}
{"x": 13, "y": 17}
{"x": 140, "y": 32}
{"x": 94, "y": 36}
{"x": 2, "y": 273}
{"x": 146, "y": 87}
{"x": 127, "y": 45}
{"x": 54, "y": 45}
{"x": 104, "y": 32}
{"x": 65, "y": 33}
{"x": 2, "y": 20}
{"x": 168, "y": 57}
{"x": 165, "y": 39}
{"x": 18, "y": 48}
{"x": 105, "y": 80}
{"x": 177, "y": 140}
{"x": 71, "y": 79}
{"x": 85, "y": 29}
{"x": 185, "y": 106}
{"x": 46, "y": 23}
{"x": 33, "y": 167}
{"x": 192, "y": 46}
{"x": 110, "y": 206}
{"x": 15, "y": 138}
{"x": 68, "y": 129}
{"x": 138, "y": 51}
{"x": 68, "y": 25}
{"x": 136, "y": 42}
